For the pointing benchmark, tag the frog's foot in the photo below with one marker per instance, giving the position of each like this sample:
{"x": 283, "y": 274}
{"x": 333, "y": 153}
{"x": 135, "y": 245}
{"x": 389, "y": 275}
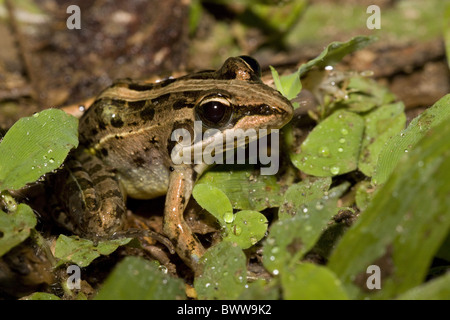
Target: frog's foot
{"x": 144, "y": 233}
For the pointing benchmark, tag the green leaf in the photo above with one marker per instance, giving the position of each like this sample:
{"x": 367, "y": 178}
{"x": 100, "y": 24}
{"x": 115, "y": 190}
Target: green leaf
{"x": 335, "y": 51}
{"x": 260, "y": 290}
{"x": 247, "y": 228}
{"x": 404, "y": 225}
{"x": 41, "y": 296}
{"x": 15, "y": 227}
{"x": 244, "y": 228}
{"x": 332, "y": 147}
{"x": 436, "y": 289}
{"x": 299, "y": 194}
{"x": 308, "y": 281}
{"x": 34, "y": 146}
{"x": 245, "y": 187}
{"x": 83, "y": 251}
{"x": 135, "y": 278}
{"x": 290, "y": 239}
{"x": 277, "y": 17}
{"x": 402, "y": 143}
{"x": 289, "y": 85}
{"x": 214, "y": 200}
{"x": 364, "y": 194}
{"x": 380, "y": 125}
{"x": 365, "y": 94}
{"x": 224, "y": 273}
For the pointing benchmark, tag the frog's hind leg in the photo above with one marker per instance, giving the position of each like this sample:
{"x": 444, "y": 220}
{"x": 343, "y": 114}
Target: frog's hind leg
{"x": 93, "y": 203}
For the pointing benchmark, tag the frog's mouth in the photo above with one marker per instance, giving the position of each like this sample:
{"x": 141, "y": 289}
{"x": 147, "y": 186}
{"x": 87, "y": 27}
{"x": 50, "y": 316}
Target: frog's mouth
{"x": 215, "y": 146}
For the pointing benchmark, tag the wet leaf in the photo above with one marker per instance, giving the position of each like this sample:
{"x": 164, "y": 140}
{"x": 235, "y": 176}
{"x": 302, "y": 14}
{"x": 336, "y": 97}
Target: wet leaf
{"x": 244, "y": 228}
{"x": 335, "y": 51}
{"x": 214, "y": 200}
{"x": 83, "y": 251}
{"x": 380, "y": 125}
{"x": 290, "y": 239}
{"x": 247, "y": 228}
{"x": 41, "y": 296}
{"x": 224, "y": 273}
{"x": 139, "y": 279}
{"x": 15, "y": 227}
{"x": 332, "y": 147}
{"x": 365, "y": 94}
{"x": 401, "y": 143}
{"x": 307, "y": 281}
{"x": 299, "y": 194}
{"x": 436, "y": 289}
{"x": 34, "y": 146}
{"x": 404, "y": 225}
{"x": 364, "y": 194}
{"x": 260, "y": 290}
{"x": 244, "y": 186}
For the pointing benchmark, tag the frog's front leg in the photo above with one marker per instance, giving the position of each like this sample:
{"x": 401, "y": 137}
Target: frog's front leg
{"x": 187, "y": 246}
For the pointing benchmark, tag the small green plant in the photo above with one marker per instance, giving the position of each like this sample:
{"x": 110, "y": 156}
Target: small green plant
{"x": 358, "y": 163}
{"x": 32, "y": 147}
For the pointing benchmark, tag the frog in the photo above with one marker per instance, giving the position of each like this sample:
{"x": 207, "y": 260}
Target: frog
{"x": 126, "y": 146}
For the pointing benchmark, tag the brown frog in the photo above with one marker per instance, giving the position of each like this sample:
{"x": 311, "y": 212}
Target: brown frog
{"x": 126, "y": 144}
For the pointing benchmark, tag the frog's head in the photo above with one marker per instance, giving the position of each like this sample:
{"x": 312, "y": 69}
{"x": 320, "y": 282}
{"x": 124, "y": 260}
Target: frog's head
{"x": 240, "y": 100}
{"x": 236, "y": 104}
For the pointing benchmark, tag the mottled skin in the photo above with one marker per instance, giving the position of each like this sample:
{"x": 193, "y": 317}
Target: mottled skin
{"x": 125, "y": 145}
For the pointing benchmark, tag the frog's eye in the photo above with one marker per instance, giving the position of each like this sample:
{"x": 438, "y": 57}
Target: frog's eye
{"x": 252, "y": 63}
{"x": 214, "y": 111}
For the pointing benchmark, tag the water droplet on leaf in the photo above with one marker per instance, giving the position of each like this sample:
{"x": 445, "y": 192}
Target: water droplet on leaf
{"x": 334, "y": 170}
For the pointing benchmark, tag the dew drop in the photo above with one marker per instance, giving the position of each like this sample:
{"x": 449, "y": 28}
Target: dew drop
{"x": 275, "y": 250}
{"x": 275, "y": 272}
{"x": 334, "y": 170}
{"x": 324, "y": 151}
{"x": 272, "y": 258}
{"x": 341, "y": 150}
{"x": 33, "y": 167}
{"x": 253, "y": 240}
{"x": 51, "y": 160}
{"x": 319, "y": 205}
{"x": 228, "y": 217}
{"x": 163, "y": 269}
{"x": 237, "y": 230}
{"x": 344, "y": 131}
{"x": 35, "y": 115}
{"x": 341, "y": 140}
